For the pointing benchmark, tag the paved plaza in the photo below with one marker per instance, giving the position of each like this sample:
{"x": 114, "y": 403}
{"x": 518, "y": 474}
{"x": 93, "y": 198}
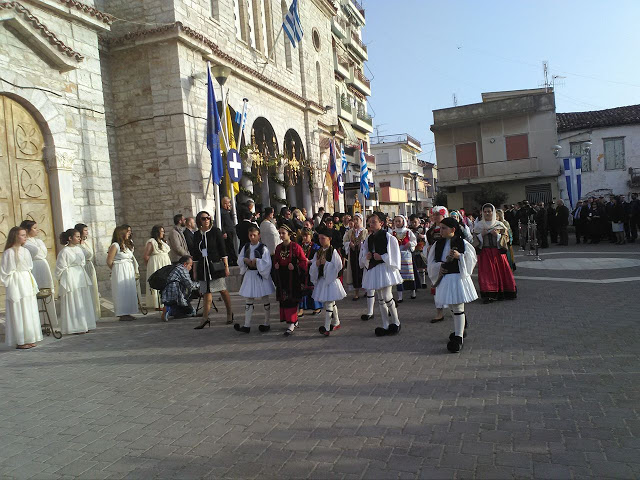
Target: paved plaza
{"x": 546, "y": 386}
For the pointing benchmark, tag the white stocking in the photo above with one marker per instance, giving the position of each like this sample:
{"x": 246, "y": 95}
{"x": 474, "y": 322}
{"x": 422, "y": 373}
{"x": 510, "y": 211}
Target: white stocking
{"x": 248, "y": 312}
{"x": 371, "y": 300}
{"x": 335, "y": 321}
{"x": 384, "y": 311}
{"x": 328, "y": 314}
{"x": 267, "y": 310}
{"x": 458, "y": 319}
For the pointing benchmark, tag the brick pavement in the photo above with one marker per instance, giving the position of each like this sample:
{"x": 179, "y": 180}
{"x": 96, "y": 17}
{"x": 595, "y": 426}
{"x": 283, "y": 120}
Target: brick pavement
{"x": 546, "y": 386}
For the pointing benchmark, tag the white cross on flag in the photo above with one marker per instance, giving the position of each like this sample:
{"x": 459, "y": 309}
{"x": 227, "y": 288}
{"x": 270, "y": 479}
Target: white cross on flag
{"x": 234, "y": 165}
{"x": 340, "y": 183}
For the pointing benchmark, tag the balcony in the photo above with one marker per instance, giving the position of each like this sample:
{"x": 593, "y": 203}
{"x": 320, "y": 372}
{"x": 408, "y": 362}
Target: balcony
{"x": 356, "y": 9}
{"x": 362, "y": 121}
{"x": 397, "y": 138}
{"x": 345, "y": 110}
{"x": 490, "y": 172}
{"x": 354, "y": 42}
{"x": 359, "y": 81}
{"x": 341, "y": 65}
{"x": 339, "y": 27}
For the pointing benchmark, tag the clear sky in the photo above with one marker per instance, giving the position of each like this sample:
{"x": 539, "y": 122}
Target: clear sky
{"x": 421, "y": 52}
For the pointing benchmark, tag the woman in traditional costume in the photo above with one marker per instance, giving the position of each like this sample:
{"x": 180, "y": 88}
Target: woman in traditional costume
{"x": 309, "y": 248}
{"x": 438, "y": 213}
{"x": 325, "y": 269}
{"x": 407, "y": 242}
{"x": 77, "y": 311}
{"x": 450, "y": 264}
{"x": 22, "y": 325}
{"x": 353, "y": 239}
{"x": 290, "y": 268}
{"x": 494, "y": 273}
{"x": 254, "y": 261}
{"x": 156, "y": 256}
{"x": 41, "y": 271}
{"x": 380, "y": 255}
{"x": 89, "y": 256}
{"x": 123, "y": 267}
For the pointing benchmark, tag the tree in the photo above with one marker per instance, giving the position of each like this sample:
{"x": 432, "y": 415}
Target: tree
{"x": 490, "y": 193}
{"x": 440, "y": 199}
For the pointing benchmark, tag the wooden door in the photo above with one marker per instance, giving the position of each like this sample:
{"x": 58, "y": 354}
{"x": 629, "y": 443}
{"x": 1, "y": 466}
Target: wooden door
{"x": 24, "y": 183}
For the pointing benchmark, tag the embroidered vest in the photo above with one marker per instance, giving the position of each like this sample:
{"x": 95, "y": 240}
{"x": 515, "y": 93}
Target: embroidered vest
{"x": 377, "y": 243}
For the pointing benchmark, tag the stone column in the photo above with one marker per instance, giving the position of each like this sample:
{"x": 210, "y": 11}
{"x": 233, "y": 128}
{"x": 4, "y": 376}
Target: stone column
{"x": 307, "y": 201}
{"x": 279, "y": 190}
{"x": 245, "y": 181}
{"x": 292, "y": 196}
{"x": 61, "y": 180}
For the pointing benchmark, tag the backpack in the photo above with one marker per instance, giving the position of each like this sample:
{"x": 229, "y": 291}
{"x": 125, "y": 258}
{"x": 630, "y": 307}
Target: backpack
{"x": 159, "y": 279}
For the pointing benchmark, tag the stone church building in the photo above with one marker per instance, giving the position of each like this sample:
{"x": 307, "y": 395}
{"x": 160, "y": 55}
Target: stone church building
{"x": 103, "y": 108}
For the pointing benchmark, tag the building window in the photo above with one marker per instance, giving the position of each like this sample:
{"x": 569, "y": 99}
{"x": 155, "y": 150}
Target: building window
{"x": 252, "y": 22}
{"x": 215, "y": 9}
{"x": 268, "y": 26}
{"x": 579, "y": 149}
{"x": 467, "y": 160}
{"x": 316, "y": 39}
{"x": 287, "y": 43}
{"x": 319, "y": 82}
{"x": 517, "y": 147}
{"x": 613, "y": 153}
{"x": 241, "y": 17}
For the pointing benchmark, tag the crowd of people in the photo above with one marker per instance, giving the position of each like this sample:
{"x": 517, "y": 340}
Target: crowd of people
{"x": 309, "y": 263}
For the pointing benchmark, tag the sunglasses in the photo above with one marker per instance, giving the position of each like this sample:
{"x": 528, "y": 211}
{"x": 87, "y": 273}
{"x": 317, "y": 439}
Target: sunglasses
{"x": 205, "y": 218}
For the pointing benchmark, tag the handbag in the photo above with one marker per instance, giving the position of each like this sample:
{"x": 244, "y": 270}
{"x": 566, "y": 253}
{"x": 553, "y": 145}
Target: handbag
{"x": 217, "y": 267}
{"x": 503, "y": 243}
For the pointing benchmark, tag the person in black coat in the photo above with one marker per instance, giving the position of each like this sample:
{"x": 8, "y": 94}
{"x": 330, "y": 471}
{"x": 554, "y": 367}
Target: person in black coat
{"x": 542, "y": 226}
{"x": 228, "y": 230}
{"x": 562, "y": 222}
{"x": 242, "y": 229}
{"x": 579, "y": 215}
{"x": 552, "y": 223}
{"x": 212, "y": 268}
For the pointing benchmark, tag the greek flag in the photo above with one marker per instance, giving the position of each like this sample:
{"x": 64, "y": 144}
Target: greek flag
{"x": 291, "y": 25}
{"x": 344, "y": 161}
{"x": 573, "y": 174}
{"x": 364, "y": 173}
{"x": 213, "y": 132}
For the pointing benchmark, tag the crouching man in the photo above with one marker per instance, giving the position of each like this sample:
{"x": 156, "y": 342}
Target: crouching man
{"x": 177, "y": 292}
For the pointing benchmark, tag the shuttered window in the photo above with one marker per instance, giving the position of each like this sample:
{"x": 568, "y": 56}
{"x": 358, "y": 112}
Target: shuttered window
{"x": 579, "y": 149}
{"x": 517, "y": 147}
{"x": 467, "y": 159}
{"x": 613, "y": 153}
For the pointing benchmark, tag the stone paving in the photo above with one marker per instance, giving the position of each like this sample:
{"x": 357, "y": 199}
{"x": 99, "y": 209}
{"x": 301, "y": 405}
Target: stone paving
{"x": 546, "y": 387}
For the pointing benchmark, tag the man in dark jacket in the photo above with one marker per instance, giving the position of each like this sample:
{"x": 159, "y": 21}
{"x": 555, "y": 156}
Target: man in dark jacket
{"x": 562, "y": 221}
{"x": 228, "y": 230}
{"x": 552, "y": 223}
{"x": 541, "y": 225}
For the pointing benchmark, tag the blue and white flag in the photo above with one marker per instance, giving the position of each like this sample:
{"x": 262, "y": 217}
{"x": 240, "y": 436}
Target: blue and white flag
{"x": 345, "y": 165}
{"x": 573, "y": 174}
{"x": 213, "y": 132}
{"x": 291, "y": 25}
{"x": 364, "y": 173}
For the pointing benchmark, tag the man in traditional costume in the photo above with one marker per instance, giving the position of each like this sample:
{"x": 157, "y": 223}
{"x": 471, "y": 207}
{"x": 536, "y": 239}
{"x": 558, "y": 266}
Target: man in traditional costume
{"x": 353, "y": 239}
{"x": 450, "y": 263}
{"x": 407, "y": 242}
{"x": 325, "y": 272}
{"x": 254, "y": 261}
{"x": 380, "y": 255}
{"x": 309, "y": 248}
{"x": 438, "y": 214}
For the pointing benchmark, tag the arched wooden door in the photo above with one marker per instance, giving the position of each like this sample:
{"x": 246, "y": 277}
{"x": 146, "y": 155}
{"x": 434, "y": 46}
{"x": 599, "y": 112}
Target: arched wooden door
{"x": 24, "y": 183}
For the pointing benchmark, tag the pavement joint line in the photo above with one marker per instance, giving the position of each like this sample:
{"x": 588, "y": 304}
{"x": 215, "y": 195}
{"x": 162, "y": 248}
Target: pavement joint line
{"x": 579, "y": 280}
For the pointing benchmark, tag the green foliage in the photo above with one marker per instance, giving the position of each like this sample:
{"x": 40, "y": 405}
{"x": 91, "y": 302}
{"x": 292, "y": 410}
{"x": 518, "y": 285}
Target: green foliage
{"x": 440, "y": 199}
{"x": 490, "y": 193}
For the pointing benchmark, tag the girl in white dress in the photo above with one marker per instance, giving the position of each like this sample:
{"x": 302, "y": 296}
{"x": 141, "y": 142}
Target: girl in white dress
{"x": 324, "y": 272}
{"x": 77, "y": 311}
{"x": 254, "y": 261}
{"x": 156, "y": 256}
{"x": 41, "y": 270}
{"x": 450, "y": 264}
{"x": 85, "y": 244}
{"x": 122, "y": 263}
{"x": 380, "y": 255}
{"x": 22, "y": 319}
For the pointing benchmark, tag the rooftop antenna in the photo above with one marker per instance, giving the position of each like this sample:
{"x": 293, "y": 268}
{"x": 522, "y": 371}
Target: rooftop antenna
{"x": 377, "y": 128}
{"x": 455, "y": 100}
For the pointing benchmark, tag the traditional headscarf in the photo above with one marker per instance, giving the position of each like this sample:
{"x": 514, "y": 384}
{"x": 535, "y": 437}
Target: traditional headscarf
{"x": 440, "y": 210}
{"x": 286, "y": 227}
{"x": 404, "y": 228}
{"x": 482, "y": 224}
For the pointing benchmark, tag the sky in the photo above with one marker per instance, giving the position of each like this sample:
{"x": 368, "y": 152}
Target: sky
{"x": 422, "y": 52}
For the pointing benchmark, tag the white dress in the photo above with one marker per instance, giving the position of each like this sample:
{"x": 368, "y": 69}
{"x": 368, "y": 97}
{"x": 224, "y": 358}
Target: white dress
{"x": 454, "y": 288}
{"x": 123, "y": 283}
{"x": 256, "y": 283}
{"x": 91, "y": 271}
{"x": 384, "y": 274}
{"x": 76, "y": 303}
{"x": 42, "y": 274}
{"x": 22, "y": 319}
{"x": 159, "y": 258}
{"x": 328, "y": 287}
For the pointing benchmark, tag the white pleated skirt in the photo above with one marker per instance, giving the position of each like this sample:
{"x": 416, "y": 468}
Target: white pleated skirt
{"x": 255, "y": 286}
{"x": 453, "y": 289}
{"x": 124, "y": 289}
{"x": 328, "y": 291}
{"x": 77, "y": 311}
{"x": 22, "y": 322}
{"x": 380, "y": 276}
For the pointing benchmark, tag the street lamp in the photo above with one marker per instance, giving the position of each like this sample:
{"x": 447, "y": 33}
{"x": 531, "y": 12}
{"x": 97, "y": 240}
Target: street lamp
{"x": 415, "y": 187}
{"x": 221, "y": 73}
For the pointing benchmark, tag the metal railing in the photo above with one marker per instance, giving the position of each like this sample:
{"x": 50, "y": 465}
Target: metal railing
{"x": 358, "y": 41}
{"x": 358, "y": 6}
{"x": 344, "y": 61}
{"x": 345, "y": 104}
{"x": 360, "y": 76}
{"x": 395, "y": 138}
{"x": 365, "y": 117}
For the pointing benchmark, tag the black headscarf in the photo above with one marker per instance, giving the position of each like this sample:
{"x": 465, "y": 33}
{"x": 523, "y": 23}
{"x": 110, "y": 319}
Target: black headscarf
{"x": 457, "y": 242}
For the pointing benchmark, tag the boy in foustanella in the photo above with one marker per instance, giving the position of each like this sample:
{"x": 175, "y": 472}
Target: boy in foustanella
{"x": 290, "y": 268}
{"x": 309, "y": 248}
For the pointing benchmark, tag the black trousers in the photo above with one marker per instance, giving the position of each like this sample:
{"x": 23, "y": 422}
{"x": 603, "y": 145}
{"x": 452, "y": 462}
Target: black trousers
{"x": 564, "y": 235}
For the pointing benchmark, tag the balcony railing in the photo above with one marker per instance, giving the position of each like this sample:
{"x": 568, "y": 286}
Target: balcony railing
{"x": 345, "y": 104}
{"x": 396, "y": 138}
{"x": 492, "y": 171}
{"x": 365, "y": 117}
{"x": 358, "y": 41}
{"x": 344, "y": 61}
{"x": 340, "y": 21}
{"x": 360, "y": 76}
{"x": 358, "y": 6}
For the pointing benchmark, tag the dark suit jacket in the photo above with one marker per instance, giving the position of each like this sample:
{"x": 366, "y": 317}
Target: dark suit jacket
{"x": 562, "y": 216}
{"x": 227, "y": 222}
{"x": 189, "y": 238}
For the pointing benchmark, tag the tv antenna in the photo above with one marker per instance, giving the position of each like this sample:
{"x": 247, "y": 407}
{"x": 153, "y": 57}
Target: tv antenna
{"x": 455, "y": 100}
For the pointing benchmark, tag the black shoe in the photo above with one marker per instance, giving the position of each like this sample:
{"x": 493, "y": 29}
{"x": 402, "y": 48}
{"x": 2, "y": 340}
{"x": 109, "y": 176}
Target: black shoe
{"x": 453, "y": 334}
{"x": 238, "y": 328}
{"x": 288, "y": 332}
{"x": 487, "y": 301}
{"x": 455, "y": 344}
{"x": 264, "y": 328}
{"x": 399, "y": 301}
{"x": 202, "y": 325}
{"x": 323, "y": 331}
{"x": 436, "y": 320}
{"x": 365, "y": 317}
{"x": 229, "y": 320}
{"x": 381, "y": 332}
{"x": 413, "y": 297}
{"x": 393, "y": 329}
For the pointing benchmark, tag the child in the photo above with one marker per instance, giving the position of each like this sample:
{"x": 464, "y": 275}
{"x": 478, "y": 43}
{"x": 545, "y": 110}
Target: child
{"x": 450, "y": 263}
{"x": 324, "y": 272}
{"x": 255, "y": 264}
{"x": 23, "y": 320}
{"x": 407, "y": 242}
{"x": 309, "y": 248}
{"x": 380, "y": 255}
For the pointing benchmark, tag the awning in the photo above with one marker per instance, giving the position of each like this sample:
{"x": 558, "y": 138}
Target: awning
{"x": 350, "y": 136}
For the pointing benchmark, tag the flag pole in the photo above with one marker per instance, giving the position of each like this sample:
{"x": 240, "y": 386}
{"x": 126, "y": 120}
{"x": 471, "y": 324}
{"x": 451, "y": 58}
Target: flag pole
{"x": 216, "y": 187}
{"x": 234, "y": 215}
